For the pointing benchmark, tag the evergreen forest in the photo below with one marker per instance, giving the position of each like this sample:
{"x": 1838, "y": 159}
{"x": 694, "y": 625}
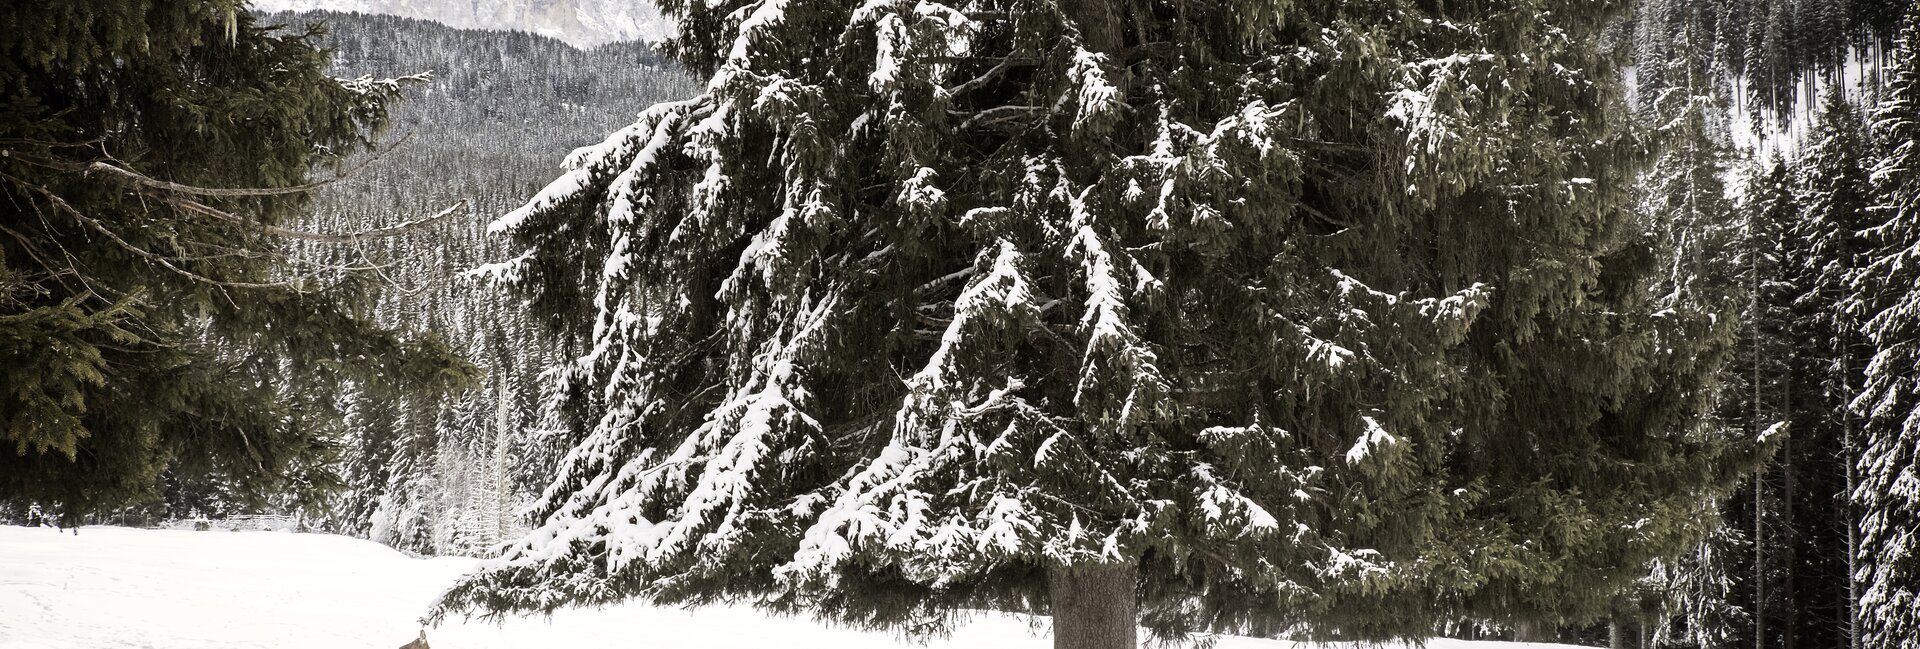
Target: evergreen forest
{"x": 1581, "y": 321}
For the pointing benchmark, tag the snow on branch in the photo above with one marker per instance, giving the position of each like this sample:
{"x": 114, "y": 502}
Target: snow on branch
{"x": 879, "y": 506}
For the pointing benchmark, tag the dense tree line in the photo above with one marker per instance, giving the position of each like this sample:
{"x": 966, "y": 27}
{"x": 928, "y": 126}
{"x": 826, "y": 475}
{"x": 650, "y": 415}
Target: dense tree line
{"x": 1815, "y": 550}
{"x": 1774, "y": 53}
{"x": 449, "y": 474}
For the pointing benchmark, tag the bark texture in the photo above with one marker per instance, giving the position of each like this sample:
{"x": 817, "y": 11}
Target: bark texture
{"x": 1534, "y": 631}
{"x": 1099, "y": 22}
{"x": 1094, "y": 607}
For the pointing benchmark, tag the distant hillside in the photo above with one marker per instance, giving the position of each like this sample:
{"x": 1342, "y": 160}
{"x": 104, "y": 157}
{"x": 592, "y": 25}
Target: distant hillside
{"x": 519, "y": 92}
{"x": 491, "y": 127}
{"x": 584, "y": 23}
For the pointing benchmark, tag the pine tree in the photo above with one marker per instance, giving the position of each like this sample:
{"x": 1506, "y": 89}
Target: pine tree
{"x": 151, "y": 325}
{"x": 1329, "y": 317}
{"x": 1772, "y": 68}
{"x": 1887, "y": 495}
{"x": 1682, "y": 195}
{"x": 371, "y": 430}
{"x": 1802, "y": 255}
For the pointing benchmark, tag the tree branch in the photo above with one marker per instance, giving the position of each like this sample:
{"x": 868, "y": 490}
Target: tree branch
{"x": 163, "y": 260}
{"x": 996, "y": 72}
{"x": 459, "y": 207}
{"x": 135, "y": 177}
{"x": 993, "y": 116}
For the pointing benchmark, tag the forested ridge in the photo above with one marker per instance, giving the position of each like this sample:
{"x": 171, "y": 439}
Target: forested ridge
{"x": 449, "y": 475}
{"x": 1569, "y": 320}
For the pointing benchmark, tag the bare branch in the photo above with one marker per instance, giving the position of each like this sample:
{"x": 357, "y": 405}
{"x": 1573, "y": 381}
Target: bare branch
{"x": 160, "y": 259}
{"x": 138, "y": 178}
{"x": 993, "y": 116}
{"x": 459, "y": 207}
{"x": 51, "y": 144}
{"x": 984, "y": 79}
{"x": 128, "y": 175}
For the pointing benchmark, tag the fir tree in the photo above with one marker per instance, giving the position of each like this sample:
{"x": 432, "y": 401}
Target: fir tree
{"x": 1682, "y": 195}
{"x": 1328, "y": 317}
{"x": 1801, "y": 256}
{"x": 151, "y": 156}
{"x": 1772, "y": 67}
{"x": 1887, "y": 495}
{"x": 371, "y": 431}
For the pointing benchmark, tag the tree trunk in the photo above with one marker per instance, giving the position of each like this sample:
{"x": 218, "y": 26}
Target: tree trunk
{"x": 1534, "y": 631}
{"x": 1759, "y": 556}
{"x": 1848, "y": 456}
{"x": 1790, "y": 604}
{"x": 1624, "y": 633}
{"x": 1759, "y": 487}
{"x": 1094, "y": 607}
{"x": 1099, "y": 24}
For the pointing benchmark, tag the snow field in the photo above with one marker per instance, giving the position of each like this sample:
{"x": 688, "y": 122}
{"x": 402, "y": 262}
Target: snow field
{"x": 114, "y": 587}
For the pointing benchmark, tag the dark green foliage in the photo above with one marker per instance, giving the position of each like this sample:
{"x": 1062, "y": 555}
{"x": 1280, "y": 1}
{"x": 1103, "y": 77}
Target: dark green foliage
{"x": 1827, "y": 252}
{"x": 182, "y": 341}
{"x": 1328, "y": 316}
{"x": 55, "y": 353}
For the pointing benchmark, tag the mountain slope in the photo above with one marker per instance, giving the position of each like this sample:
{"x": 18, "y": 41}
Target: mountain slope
{"x": 446, "y": 476}
{"x": 582, "y": 23}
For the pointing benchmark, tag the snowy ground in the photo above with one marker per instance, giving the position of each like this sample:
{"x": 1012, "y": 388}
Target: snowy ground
{"x": 172, "y": 589}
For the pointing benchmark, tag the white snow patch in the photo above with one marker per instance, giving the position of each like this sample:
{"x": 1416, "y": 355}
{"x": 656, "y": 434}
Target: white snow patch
{"x": 1373, "y": 437}
{"x": 173, "y": 589}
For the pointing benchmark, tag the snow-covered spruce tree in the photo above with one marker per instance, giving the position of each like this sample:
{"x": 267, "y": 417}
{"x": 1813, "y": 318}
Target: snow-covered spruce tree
{"x": 1757, "y": 383}
{"x": 1887, "y": 494}
{"x": 1825, "y": 249}
{"x": 1243, "y": 316}
{"x": 365, "y": 465}
{"x": 1684, "y": 601}
{"x": 1682, "y": 195}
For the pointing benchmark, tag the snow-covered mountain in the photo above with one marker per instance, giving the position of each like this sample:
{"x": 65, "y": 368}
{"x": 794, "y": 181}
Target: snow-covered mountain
{"x": 583, "y": 23}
